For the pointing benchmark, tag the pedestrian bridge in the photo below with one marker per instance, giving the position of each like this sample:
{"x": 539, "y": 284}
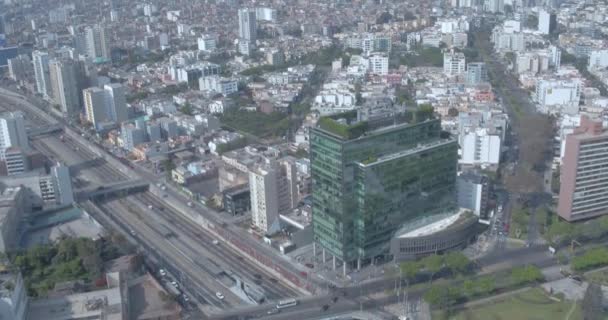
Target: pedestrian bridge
{"x": 44, "y": 130}
{"x": 116, "y": 190}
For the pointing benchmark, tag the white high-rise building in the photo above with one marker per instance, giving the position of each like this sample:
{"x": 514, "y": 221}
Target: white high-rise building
{"x": 94, "y": 105}
{"x": 97, "y": 41}
{"x": 494, "y": 6}
{"x": 273, "y": 190}
{"x": 41, "y": 72}
{"x": 207, "y": 43}
{"x": 556, "y": 57}
{"x": 12, "y": 132}
{"x": 265, "y": 14}
{"x": 547, "y": 22}
{"x": 454, "y": 63}
{"x": 558, "y": 92}
{"x": 247, "y": 24}
{"x": 598, "y": 59}
{"x": 480, "y": 148}
{"x": 378, "y": 64}
{"x": 65, "y": 85}
{"x": 107, "y": 105}
{"x": 263, "y": 189}
{"x": 476, "y": 73}
{"x": 116, "y": 103}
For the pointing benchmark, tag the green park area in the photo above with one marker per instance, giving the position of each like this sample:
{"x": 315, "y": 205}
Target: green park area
{"x": 599, "y": 276}
{"x": 69, "y": 259}
{"x": 259, "y": 124}
{"x": 530, "y": 304}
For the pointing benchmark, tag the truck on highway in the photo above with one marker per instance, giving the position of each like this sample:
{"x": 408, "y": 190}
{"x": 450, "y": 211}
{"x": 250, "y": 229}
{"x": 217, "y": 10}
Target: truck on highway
{"x": 173, "y": 290}
{"x": 287, "y": 303}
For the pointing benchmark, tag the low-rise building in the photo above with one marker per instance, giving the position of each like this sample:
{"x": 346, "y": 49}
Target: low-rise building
{"x": 237, "y": 200}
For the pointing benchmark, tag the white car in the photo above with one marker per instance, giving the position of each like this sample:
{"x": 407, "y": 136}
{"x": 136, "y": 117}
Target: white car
{"x": 215, "y": 241}
{"x": 150, "y": 207}
{"x": 162, "y": 272}
{"x": 219, "y": 295}
{"x": 175, "y": 284}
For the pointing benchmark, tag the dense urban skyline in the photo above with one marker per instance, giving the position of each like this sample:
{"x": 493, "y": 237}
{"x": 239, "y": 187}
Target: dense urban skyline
{"x": 319, "y": 159}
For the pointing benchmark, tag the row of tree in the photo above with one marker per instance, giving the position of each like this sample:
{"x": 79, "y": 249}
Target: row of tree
{"x": 444, "y": 296}
{"x": 593, "y": 258}
{"x": 453, "y": 263}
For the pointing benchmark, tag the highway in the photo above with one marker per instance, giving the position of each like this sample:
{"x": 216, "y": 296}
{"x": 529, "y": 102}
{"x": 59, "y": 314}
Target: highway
{"x": 188, "y": 244}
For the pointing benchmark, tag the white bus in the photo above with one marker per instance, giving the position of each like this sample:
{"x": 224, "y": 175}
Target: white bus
{"x": 287, "y": 303}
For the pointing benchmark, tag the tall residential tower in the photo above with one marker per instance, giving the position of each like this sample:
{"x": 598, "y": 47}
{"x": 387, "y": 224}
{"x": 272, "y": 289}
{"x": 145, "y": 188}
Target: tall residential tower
{"x": 583, "y": 189}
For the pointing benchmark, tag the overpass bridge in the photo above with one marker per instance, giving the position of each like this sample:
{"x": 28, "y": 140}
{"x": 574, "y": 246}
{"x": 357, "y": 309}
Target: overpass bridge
{"x": 44, "y": 130}
{"x": 116, "y": 190}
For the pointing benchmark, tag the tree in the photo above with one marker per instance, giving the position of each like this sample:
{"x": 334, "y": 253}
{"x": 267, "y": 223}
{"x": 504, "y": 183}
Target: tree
{"x": 408, "y": 15}
{"x": 385, "y": 17}
{"x": 409, "y": 270}
{"x": 593, "y": 258}
{"x": 485, "y": 285}
{"x": 358, "y": 96}
{"x": 435, "y": 295}
{"x": 187, "y": 109}
{"x": 433, "y": 264}
{"x": 526, "y": 274}
{"x": 531, "y": 22}
{"x": 443, "y": 297}
{"x": 453, "y": 112}
{"x": 457, "y": 262}
{"x": 469, "y": 288}
{"x": 168, "y": 166}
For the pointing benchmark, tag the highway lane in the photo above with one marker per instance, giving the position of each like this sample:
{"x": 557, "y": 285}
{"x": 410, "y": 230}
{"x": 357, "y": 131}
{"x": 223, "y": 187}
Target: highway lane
{"x": 189, "y": 275}
{"x": 195, "y": 246}
{"x": 228, "y": 257}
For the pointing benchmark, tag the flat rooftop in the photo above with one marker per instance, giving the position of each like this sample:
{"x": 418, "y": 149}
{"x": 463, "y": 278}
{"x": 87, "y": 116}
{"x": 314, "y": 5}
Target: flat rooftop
{"x": 72, "y": 222}
{"x": 145, "y": 301}
{"x": 101, "y": 304}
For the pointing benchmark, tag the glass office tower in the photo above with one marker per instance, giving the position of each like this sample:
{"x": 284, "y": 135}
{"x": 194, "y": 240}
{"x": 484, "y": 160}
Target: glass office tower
{"x": 372, "y": 179}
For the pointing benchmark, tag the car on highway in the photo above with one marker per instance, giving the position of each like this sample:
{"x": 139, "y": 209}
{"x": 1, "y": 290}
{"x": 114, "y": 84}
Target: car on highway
{"x": 273, "y": 311}
{"x": 219, "y": 295}
{"x": 175, "y": 284}
{"x": 150, "y": 207}
{"x": 162, "y": 272}
{"x": 132, "y": 232}
{"x": 215, "y": 241}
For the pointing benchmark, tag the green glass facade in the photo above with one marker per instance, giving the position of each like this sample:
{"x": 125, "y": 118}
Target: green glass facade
{"x": 366, "y": 188}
